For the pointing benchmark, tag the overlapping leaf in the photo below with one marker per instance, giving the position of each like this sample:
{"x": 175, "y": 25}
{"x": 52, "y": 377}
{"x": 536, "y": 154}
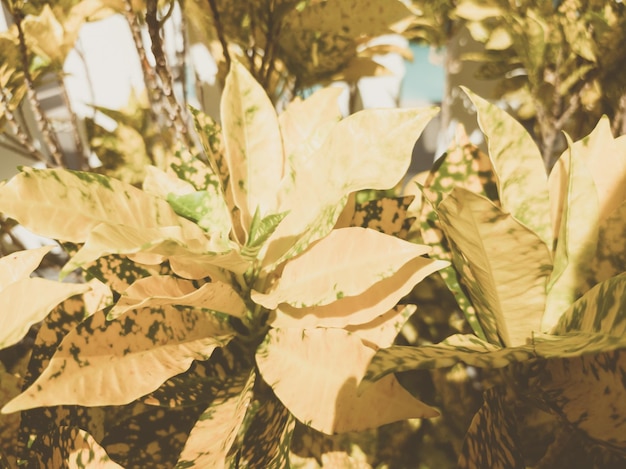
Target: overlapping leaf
{"x": 521, "y": 175}
{"x": 505, "y": 265}
{"x": 332, "y": 361}
{"x": 492, "y": 440}
{"x": 76, "y": 202}
{"x": 254, "y": 150}
{"x": 360, "y": 309}
{"x": 166, "y": 290}
{"x": 71, "y": 447}
{"x": 213, "y": 435}
{"x": 387, "y": 215}
{"x": 133, "y": 355}
{"x": 368, "y": 150}
{"x": 343, "y": 264}
{"x": 20, "y": 308}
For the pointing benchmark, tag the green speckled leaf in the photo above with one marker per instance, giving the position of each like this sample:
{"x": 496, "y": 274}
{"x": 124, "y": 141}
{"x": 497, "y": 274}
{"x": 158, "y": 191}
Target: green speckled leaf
{"x": 213, "y": 435}
{"x": 589, "y": 392}
{"x": 117, "y": 272}
{"x": 601, "y": 309}
{"x": 521, "y": 174}
{"x": 343, "y": 264}
{"x": 387, "y": 215}
{"x": 267, "y": 437}
{"x": 504, "y": 265}
{"x": 368, "y": 150}
{"x": 206, "y": 208}
{"x": 476, "y": 352}
{"x": 577, "y": 239}
{"x": 133, "y": 354}
{"x": 254, "y": 149}
{"x": 491, "y": 441}
{"x": 73, "y": 448}
{"x": 466, "y": 166}
{"x": 331, "y": 361}
{"x": 260, "y": 230}
{"x": 75, "y": 202}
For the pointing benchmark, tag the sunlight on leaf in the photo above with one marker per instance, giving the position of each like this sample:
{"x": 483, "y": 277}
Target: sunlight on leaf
{"x": 115, "y": 362}
{"x": 332, "y": 361}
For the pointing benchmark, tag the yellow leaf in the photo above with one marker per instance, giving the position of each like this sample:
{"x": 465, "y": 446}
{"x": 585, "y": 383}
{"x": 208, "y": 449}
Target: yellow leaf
{"x": 254, "y": 150}
{"x": 361, "y": 309}
{"x": 27, "y": 302}
{"x": 19, "y": 265}
{"x": 74, "y": 203}
{"x": 333, "y": 362}
{"x": 383, "y": 330}
{"x": 162, "y": 290}
{"x": 345, "y": 263}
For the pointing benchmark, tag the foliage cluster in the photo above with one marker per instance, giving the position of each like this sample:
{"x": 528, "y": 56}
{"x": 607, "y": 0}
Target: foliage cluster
{"x": 245, "y": 298}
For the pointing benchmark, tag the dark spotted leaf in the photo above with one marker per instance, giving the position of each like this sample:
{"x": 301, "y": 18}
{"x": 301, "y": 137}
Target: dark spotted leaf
{"x": 213, "y": 435}
{"x": 118, "y": 272}
{"x": 519, "y": 167}
{"x": 387, "y": 215}
{"x": 589, "y": 392}
{"x": 491, "y": 440}
{"x": 149, "y": 437}
{"x": 71, "y": 447}
{"x": 134, "y": 354}
{"x": 268, "y": 427}
{"x": 601, "y": 309}
{"x": 500, "y": 262}
{"x": 206, "y": 208}
{"x": 463, "y": 165}
{"x": 79, "y": 202}
{"x": 192, "y": 171}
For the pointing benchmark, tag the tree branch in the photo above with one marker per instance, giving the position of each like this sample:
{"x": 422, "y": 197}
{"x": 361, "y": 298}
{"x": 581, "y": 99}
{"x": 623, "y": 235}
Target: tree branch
{"x": 220, "y": 32}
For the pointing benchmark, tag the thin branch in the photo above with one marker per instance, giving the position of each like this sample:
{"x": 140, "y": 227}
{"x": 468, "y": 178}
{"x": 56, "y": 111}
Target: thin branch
{"x": 163, "y": 72}
{"x": 220, "y": 32}
{"x": 155, "y": 95}
{"x": 48, "y": 134}
{"x": 182, "y": 54}
{"x": 619, "y": 119}
{"x": 18, "y": 131}
{"x": 78, "y": 141}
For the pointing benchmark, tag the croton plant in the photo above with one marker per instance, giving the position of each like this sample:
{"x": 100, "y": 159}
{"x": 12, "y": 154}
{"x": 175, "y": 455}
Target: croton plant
{"x": 231, "y": 295}
{"x": 538, "y": 266}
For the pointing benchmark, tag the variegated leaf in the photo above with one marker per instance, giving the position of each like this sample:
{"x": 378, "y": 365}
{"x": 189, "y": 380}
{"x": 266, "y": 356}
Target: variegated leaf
{"x": 343, "y": 264}
{"x": 601, "y": 309}
{"x": 265, "y": 434}
{"x": 360, "y": 309}
{"x": 149, "y": 437}
{"x": 205, "y": 208}
{"x": 332, "y": 361}
{"x": 21, "y": 309}
{"x": 577, "y": 239}
{"x": 473, "y": 351}
{"x": 304, "y": 125}
{"x": 213, "y": 435}
{"x": 161, "y": 183}
{"x": 73, "y": 448}
{"x": 589, "y": 392}
{"x": 194, "y": 170}
{"x": 117, "y": 272}
{"x": 167, "y": 290}
{"x": 463, "y": 165}
{"x": 492, "y": 440}
{"x": 254, "y": 149}
{"x": 520, "y": 171}
{"x": 504, "y": 266}
{"x": 76, "y": 202}
{"x": 368, "y": 150}
{"x": 155, "y": 245}
{"x": 387, "y": 215}
{"x": 133, "y": 355}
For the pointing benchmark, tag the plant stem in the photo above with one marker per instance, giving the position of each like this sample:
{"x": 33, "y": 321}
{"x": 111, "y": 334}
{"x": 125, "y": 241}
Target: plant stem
{"x": 44, "y": 125}
{"x": 78, "y": 141}
{"x": 163, "y": 72}
{"x": 18, "y": 131}
{"x": 220, "y": 32}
